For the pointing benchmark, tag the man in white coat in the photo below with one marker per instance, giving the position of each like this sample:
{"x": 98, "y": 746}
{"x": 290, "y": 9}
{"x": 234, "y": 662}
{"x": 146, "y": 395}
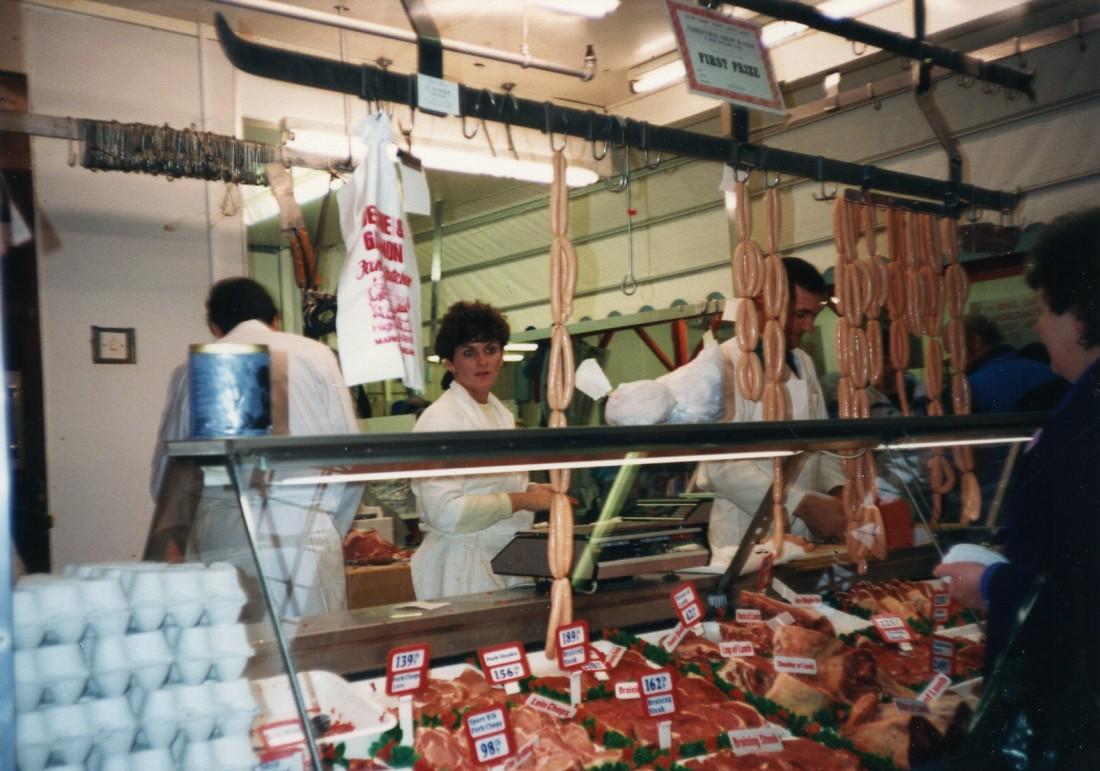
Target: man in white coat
{"x": 300, "y": 531}
{"x": 741, "y": 485}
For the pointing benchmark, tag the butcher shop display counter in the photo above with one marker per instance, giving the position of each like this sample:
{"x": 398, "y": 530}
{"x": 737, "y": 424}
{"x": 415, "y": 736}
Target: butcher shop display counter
{"x": 270, "y": 493}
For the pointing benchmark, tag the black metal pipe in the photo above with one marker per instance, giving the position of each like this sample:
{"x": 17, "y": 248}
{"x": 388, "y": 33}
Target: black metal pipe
{"x": 374, "y": 84}
{"x": 912, "y": 48}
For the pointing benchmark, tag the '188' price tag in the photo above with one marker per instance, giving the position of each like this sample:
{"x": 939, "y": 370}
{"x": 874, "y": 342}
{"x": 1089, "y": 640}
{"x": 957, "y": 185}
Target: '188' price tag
{"x": 572, "y": 645}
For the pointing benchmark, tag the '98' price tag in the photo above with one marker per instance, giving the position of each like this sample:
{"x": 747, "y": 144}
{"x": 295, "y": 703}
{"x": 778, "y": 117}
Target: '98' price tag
{"x": 489, "y": 734}
{"x": 504, "y": 663}
{"x": 407, "y": 669}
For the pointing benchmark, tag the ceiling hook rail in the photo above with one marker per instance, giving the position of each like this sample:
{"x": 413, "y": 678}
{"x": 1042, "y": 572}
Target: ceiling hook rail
{"x": 550, "y": 130}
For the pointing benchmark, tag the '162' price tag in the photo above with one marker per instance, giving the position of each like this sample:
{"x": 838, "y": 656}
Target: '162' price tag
{"x": 688, "y": 605}
{"x": 407, "y": 669}
{"x": 489, "y": 734}
{"x": 657, "y": 691}
{"x": 504, "y": 663}
{"x": 572, "y": 645}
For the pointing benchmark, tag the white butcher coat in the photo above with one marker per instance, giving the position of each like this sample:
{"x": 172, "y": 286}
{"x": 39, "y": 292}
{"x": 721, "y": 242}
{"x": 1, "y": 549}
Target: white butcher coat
{"x": 300, "y": 528}
{"x": 450, "y": 562}
{"x": 740, "y": 485}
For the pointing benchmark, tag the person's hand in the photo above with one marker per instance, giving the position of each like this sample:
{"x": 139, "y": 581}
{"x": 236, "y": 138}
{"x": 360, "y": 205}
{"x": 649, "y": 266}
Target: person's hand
{"x": 965, "y": 582}
{"x": 823, "y": 515}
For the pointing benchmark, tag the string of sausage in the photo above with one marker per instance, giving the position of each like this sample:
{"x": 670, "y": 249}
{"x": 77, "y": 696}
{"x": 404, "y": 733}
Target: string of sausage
{"x": 776, "y": 395}
{"x": 863, "y": 288}
{"x": 748, "y": 281}
{"x": 559, "y": 392}
{"x": 956, "y": 289}
{"x": 897, "y": 303}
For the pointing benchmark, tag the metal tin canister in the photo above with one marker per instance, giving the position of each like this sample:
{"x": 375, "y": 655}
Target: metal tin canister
{"x": 230, "y": 390}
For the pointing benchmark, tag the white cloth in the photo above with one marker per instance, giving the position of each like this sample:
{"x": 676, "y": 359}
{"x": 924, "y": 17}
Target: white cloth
{"x": 378, "y": 324}
{"x": 450, "y": 562}
{"x": 300, "y": 529}
{"x": 741, "y": 485}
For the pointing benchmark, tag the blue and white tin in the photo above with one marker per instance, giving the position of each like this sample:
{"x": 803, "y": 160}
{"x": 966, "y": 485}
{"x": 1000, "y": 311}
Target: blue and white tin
{"x": 230, "y": 390}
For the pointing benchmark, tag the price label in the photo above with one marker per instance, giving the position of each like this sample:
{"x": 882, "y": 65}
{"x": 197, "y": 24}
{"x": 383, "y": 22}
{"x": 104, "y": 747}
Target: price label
{"x": 935, "y": 689}
{"x": 407, "y": 669}
{"x": 748, "y": 616}
{"x": 572, "y": 645}
{"x": 537, "y": 701}
{"x": 661, "y": 704}
{"x": 911, "y": 707}
{"x": 892, "y": 629}
{"x": 795, "y": 665}
{"x": 675, "y": 637}
{"x": 732, "y": 649}
{"x": 798, "y": 600}
{"x": 657, "y": 681}
{"x": 941, "y": 607}
{"x": 614, "y": 656}
{"x": 489, "y": 734}
{"x": 504, "y": 663}
{"x": 628, "y": 689}
{"x": 689, "y": 607}
{"x": 783, "y": 619}
{"x": 943, "y": 655}
{"x": 748, "y": 741}
{"x": 764, "y": 575}
{"x": 595, "y": 661}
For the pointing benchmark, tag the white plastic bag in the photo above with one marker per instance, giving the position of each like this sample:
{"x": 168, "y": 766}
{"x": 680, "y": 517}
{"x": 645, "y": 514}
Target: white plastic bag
{"x": 640, "y": 403}
{"x": 696, "y": 388}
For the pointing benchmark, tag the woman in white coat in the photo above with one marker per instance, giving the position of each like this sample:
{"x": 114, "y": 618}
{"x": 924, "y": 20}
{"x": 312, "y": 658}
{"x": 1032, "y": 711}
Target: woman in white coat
{"x": 466, "y": 520}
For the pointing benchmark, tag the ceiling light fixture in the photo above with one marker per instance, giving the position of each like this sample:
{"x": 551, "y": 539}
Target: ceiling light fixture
{"x": 630, "y": 460}
{"x": 593, "y": 9}
{"x": 658, "y": 78}
{"x": 521, "y": 347}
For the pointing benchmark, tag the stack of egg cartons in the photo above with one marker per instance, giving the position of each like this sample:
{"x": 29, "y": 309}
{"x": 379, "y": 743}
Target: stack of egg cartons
{"x": 128, "y": 666}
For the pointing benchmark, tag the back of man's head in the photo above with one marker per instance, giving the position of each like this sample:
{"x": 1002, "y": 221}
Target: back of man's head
{"x": 803, "y": 274}
{"x": 233, "y": 300}
{"x": 984, "y": 329}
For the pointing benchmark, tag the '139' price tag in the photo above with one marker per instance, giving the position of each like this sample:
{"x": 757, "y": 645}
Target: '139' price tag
{"x": 407, "y": 669}
{"x": 489, "y": 735}
{"x": 688, "y": 605}
{"x": 504, "y": 663}
{"x": 572, "y": 645}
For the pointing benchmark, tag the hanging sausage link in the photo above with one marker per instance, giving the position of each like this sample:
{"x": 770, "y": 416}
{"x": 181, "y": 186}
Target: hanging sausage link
{"x": 559, "y": 393}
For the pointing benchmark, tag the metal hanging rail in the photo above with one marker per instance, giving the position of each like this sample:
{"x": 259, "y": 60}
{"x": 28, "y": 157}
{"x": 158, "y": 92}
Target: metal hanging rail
{"x": 375, "y": 84}
{"x": 913, "y": 48}
{"x": 392, "y": 33}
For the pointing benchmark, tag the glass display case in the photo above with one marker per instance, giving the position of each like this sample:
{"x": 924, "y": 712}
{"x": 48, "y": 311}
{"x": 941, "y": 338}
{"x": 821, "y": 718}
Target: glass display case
{"x": 275, "y": 508}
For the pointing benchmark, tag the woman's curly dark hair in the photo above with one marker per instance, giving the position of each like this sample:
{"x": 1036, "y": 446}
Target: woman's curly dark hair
{"x": 1065, "y": 264}
{"x": 470, "y": 322}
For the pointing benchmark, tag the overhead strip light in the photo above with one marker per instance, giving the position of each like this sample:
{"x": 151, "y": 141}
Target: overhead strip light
{"x": 593, "y": 9}
{"x": 658, "y": 78}
{"x": 369, "y": 476}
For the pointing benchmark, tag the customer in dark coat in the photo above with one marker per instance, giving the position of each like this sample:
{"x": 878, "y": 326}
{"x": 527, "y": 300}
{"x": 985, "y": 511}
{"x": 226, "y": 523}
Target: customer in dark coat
{"x": 999, "y": 376}
{"x": 1053, "y": 512}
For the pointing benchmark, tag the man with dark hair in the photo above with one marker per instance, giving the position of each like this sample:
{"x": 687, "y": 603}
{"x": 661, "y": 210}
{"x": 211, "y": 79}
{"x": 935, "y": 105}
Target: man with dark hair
{"x": 999, "y": 375}
{"x": 741, "y": 485}
{"x": 301, "y": 533}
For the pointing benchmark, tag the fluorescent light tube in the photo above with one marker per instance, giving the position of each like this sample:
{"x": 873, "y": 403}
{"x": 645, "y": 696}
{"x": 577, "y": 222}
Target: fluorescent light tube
{"x": 521, "y": 347}
{"x": 659, "y": 78}
{"x": 593, "y": 9}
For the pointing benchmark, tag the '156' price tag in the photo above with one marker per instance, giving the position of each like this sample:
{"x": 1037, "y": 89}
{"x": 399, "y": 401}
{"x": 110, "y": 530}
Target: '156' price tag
{"x": 407, "y": 669}
{"x": 504, "y": 663}
{"x": 572, "y": 645}
{"x": 489, "y": 735}
{"x": 689, "y": 607}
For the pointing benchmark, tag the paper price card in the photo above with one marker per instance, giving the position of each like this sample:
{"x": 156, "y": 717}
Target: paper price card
{"x": 489, "y": 735}
{"x": 732, "y": 649}
{"x": 795, "y": 665}
{"x": 572, "y": 645}
{"x": 748, "y": 741}
{"x": 748, "y": 616}
{"x": 504, "y": 663}
{"x": 540, "y": 703}
{"x": 935, "y": 688}
{"x": 688, "y": 605}
{"x": 657, "y": 691}
{"x": 407, "y": 669}
{"x": 798, "y": 600}
{"x": 892, "y": 629}
{"x": 941, "y": 607}
{"x": 943, "y": 655}
{"x": 627, "y": 689}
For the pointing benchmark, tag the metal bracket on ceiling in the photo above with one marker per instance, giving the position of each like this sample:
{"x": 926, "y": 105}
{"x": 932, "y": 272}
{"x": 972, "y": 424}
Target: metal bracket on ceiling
{"x": 429, "y": 44}
{"x": 922, "y": 91}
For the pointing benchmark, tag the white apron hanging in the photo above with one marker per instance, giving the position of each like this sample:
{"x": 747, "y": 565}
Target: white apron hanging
{"x": 378, "y": 299}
